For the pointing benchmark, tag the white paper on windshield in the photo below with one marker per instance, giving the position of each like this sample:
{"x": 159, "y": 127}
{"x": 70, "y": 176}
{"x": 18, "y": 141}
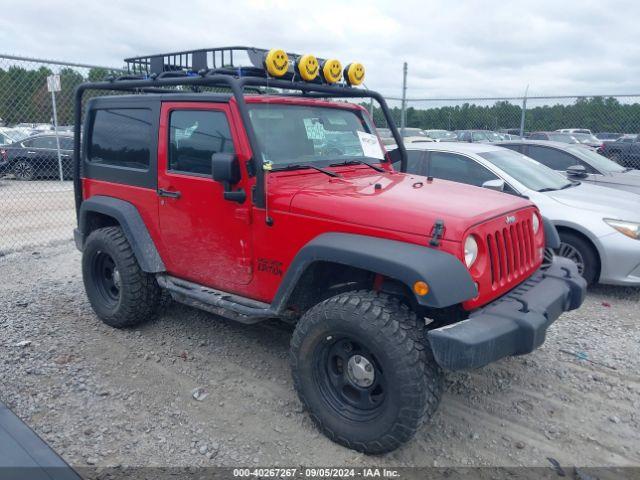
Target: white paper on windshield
{"x": 315, "y": 130}
{"x": 370, "y": 145}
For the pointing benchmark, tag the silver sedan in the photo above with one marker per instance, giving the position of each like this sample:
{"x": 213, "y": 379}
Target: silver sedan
{"x": 599, "y": 227}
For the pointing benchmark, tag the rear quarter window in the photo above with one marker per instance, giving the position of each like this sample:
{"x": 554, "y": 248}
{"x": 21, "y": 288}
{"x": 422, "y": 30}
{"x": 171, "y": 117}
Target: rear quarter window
{"x": 121, "y": 137}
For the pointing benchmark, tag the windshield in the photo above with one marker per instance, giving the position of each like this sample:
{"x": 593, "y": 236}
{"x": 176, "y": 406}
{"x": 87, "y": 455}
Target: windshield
{"x": 586, "y": 138}
{"x": 413, "y": 132}
{"x": 596, "y": 160}
{"x": 299, "y": 134}
{"x": 527, "y": 171}
{"x": 437, "y": 134}
{"x": 479, "y": 136}
{"x": 13, "y": 135}
{"x": 562, "y": 137}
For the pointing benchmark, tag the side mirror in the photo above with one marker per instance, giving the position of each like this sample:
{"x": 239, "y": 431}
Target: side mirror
{"x": 577, "y": 171}
{"x": 497, "y": 185}
{"x": 225, "y": 168}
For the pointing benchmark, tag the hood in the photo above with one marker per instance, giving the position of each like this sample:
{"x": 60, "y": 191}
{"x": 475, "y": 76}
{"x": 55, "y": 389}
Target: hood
{"x": 628, "y": 181}
{"x": 389, "y": 201}
{"x": 600, "y": 199}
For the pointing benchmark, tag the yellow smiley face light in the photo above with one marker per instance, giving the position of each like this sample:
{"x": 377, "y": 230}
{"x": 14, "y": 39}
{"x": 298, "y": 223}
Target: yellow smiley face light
{"x": 331, "y": 71}
{"x": 354, "y": 74}
{"x": 307, "y": 67}
{"x": 276, "y": 61}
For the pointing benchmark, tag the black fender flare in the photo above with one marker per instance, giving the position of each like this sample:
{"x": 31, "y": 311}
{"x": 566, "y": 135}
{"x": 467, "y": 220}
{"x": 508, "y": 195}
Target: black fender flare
{"x": 551, "y": 236}
{"x": 449, "y": 280}
{"x": 134, "y": 228}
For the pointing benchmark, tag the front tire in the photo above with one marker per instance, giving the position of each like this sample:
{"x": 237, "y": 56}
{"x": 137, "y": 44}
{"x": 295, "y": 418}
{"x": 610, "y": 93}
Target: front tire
{"x": 364, "y": 371}
{"x": 581, "y": 252}
{"x": 23, "y": 170}
{"x": 121, "y": 294}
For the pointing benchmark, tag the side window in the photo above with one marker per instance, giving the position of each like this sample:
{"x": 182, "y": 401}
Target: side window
{"x": 552, "y": 158}
{"x": 515, "y": 148}
{"x": 450, "y": 166}
{"x": 121, "y": 137}
{"x": 415, "y": 161}
{"x": 537, "y": 136}
{"x": 43, "y": 142}
{"x": 66, "y": 143}
{"x": 194, "y": 136}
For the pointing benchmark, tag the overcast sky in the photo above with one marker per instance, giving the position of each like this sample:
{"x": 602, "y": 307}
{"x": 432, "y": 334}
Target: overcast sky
{"x": 464, "y": 48}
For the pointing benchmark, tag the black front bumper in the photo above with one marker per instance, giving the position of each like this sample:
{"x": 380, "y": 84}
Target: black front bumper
{"x": 514, "y": 324}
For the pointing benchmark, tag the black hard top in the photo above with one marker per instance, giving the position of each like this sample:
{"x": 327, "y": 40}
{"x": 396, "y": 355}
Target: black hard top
{"x": 23, "y": 454}
{"x": 158, "y": 97}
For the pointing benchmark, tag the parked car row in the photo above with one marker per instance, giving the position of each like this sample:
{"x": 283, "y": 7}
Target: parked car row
{"x": 36, "y": 157}
{"x": 622, "y": 149}
{"x": 573, "y": 186}
{"x": 412, "y": 135}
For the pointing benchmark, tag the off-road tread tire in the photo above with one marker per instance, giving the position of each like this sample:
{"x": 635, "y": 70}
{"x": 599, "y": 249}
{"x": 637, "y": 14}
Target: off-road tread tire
{"x": 139, "y": 293}
{"x": 420, "y": 380}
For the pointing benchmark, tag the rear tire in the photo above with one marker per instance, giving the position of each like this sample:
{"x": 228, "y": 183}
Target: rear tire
{"x": 121, "y": 294}
{"x": 577, "y": 249}
{"x": 364, "y": 371}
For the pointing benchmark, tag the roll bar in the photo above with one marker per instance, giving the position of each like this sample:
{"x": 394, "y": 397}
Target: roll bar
{"x": 154, "y": 83}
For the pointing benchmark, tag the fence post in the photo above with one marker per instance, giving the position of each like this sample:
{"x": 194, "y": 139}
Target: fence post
{"x": 403, "y": 109}
{"x": 524, "y": 110}
{"x": 53, "y": 84}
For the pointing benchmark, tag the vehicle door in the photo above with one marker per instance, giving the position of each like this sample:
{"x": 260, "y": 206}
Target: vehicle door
{"x": 42, "y": 154}
{"x": 634, "y": 154}
{"x": 206, "y": 239}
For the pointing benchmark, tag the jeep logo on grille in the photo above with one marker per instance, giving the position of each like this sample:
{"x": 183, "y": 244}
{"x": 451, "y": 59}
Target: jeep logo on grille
{"x": 511, "y": 219}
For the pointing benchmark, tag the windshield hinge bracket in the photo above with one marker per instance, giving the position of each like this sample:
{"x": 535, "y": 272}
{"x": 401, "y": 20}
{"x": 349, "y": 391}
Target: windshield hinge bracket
{"x": 436, "y": 233}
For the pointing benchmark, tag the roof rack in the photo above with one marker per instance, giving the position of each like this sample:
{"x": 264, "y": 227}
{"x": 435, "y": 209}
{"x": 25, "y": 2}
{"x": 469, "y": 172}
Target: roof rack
{"x": 243, "y": 60}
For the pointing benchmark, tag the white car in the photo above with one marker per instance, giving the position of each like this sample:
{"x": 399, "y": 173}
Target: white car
{"x": 574, "y": 130}
{"x": 599, "y": 227}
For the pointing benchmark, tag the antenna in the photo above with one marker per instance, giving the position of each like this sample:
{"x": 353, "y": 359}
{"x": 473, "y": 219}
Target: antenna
{"x": 267, "y": 166}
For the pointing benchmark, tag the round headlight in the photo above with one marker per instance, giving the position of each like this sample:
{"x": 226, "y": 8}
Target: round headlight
{"x": 535, "y": 221}
{"x": 470, "y": 250}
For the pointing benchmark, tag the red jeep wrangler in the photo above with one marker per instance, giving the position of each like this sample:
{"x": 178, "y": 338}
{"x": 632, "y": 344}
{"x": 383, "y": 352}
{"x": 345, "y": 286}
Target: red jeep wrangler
{"x": 257, "y": 206}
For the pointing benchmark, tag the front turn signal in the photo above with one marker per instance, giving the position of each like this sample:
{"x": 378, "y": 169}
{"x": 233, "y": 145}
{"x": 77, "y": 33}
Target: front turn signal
{"x": 420, "y": 288}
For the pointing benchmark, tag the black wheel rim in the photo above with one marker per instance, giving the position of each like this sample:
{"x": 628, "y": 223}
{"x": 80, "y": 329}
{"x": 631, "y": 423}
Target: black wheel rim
{"x": 350, "y": 378}
{"x": 106, "y": 278}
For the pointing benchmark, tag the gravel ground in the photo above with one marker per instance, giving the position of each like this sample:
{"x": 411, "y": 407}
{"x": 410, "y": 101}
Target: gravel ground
{"x": 35, "y": 213}
{"x": 103, "y": 397}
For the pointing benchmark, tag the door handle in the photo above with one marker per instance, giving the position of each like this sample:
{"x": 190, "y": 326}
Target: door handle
{"x": 168, "y": 193}
{"x": 31, "y": 152}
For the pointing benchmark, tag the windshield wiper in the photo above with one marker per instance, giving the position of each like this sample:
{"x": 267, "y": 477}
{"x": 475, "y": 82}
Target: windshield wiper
{"x": 299, "y": 166}
{"x": 358, "y": 162}
{"x": 551, "y": 189}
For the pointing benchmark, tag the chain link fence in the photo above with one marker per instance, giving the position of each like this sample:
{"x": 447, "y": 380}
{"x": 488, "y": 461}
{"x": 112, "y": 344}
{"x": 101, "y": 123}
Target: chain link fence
{"x": 36, "y": 192}
{"x": 608, "y": 124}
